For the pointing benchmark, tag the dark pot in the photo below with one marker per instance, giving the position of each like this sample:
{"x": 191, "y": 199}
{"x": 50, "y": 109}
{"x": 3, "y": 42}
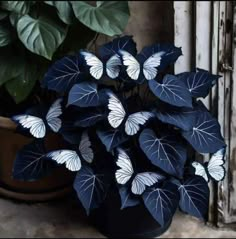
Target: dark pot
{"x": 132, "y": 222}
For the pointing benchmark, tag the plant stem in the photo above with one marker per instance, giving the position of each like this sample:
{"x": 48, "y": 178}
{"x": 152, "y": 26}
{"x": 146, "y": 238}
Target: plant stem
{"x": 93, "y": 41}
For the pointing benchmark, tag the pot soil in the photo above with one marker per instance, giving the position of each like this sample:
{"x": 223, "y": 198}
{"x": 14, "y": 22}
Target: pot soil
{"x": 132, "y": 222}
{"x": 54, "y": 186}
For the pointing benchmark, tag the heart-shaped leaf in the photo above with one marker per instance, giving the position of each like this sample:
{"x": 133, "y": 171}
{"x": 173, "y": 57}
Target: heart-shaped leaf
{"x": 89, "y": 119}
{"x": 63, "y": 74}
{"x": 21, "y": 7}
{"x": 172, "y": 91}
{"x": 3, "y": 14}
{"x": 182, "y": 118}
{"x": 112, "y": 138}
{"x": 199, "y": 83}
{"x": 194, "y": 197}
{"x": 84, "y": 94}
{"x": 127, "y": 198}
{"x": 10, "y": 65}
{"x": 107, "y": 17}
{"x": 21, "y": 86}
{"x": 125, "y": 43}
{"x": 14, "y": 18}
{"x": 31, "y": 162}
{"x": 171, "y": 54}
{"x": 64, "y": 10}
{"x": 162, "y": 202}
{"x": 6, "y": 36}
{"x": 205, "y": 135}
{"x": 42, "y": 36}
{"x": 165, "y": 151}
{"x": 91, "y": 188}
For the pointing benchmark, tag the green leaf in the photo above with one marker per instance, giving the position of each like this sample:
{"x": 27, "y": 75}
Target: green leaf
{"x": 109, "y": 17}
{"x": 6, "y": 36}
{"x": 10, "y": 66}
{"x": 73, "y": 41}
{"x": 3, "y": 14}
{"x": 21, "y": 7}
{"x": 20, "y": 86}
{"x": 64, "y": 10}
{"x": 42, "y": 36}
{"x": 14, "y": 17}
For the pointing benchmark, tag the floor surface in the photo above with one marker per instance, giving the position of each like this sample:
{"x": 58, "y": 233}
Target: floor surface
{"x": 65, "y": 219}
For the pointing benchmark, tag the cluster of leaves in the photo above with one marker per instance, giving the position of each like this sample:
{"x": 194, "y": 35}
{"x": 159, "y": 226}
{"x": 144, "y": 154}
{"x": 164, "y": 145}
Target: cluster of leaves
{"x": 34, "y": 33}
{"x": 179, "y": 121}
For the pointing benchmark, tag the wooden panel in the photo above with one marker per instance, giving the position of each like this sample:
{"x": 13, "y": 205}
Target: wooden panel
{"x": 202, "y": 35}
{"x": 214, "y": 95}
{"x": 226, "y": 195}
{"x": 183, "y": 34}
{"x": 233, "y": 129}
{"x": 215, "y": 54}
{"x": 213, "y": 51}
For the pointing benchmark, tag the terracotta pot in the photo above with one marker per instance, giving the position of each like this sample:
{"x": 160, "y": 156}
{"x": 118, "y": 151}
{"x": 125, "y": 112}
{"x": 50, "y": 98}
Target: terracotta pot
{"x": 58, "y": 184}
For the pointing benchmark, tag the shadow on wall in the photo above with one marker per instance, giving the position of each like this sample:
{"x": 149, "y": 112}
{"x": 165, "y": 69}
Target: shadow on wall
{"x": 151, "y": 22}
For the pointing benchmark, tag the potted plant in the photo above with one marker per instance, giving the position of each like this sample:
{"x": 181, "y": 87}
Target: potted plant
{"x": 131, "y": 129}
{"x": 33, "y": 35}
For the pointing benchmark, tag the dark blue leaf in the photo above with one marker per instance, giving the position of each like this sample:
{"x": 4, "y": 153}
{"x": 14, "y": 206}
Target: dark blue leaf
{"x": 112, "y": 138}
{"x": 162, "y": 202}
{"x": 205, "y": 135}
{"x": 199, "y": 83}
{"x": 182, "y": 118}
{"x": 31, "y": 162}
{"x": 70, "y": 133}
{"x": 89, "y": 119}
{"x": 128, "y": 199}
{"x": 172, "y": 53}
{"x": 172, "y": 91}
{"x": 194, "y": 197}
{"x": 84, "y": 94}
{"x": 91, "y": 188}
{"x": 63, "y": 74}
{"x": 165, "y": 151}
{"x": 120, "y": 43}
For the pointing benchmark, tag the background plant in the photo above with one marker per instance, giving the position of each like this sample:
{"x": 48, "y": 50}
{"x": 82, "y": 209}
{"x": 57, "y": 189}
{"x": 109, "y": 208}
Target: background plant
{"x": 35, "y": 33}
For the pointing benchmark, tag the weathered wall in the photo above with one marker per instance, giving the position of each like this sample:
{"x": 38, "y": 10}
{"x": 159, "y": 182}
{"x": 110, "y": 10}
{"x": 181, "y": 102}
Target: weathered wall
{"x": 151, "y": 22}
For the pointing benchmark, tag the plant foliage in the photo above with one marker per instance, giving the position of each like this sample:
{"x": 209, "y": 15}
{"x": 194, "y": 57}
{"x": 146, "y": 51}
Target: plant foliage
{"x": 127, "y": 105}
{"x": 40, "y": 32}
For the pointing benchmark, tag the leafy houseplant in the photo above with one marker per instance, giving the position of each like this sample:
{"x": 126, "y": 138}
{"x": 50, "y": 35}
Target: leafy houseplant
{"x": 130, "y": 127}
{"x": 33, "y": 35}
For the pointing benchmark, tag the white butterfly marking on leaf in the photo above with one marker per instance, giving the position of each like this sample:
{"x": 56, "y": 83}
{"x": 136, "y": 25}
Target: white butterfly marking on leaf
{"x": 126, "y": 171}
{"x": 96, "y": 65}
{"x": 117, "y": 115}
{"x": 36, "y": 125}
{"x": 71, "y": 158}
{"x": 214, "y": 169}
{"x": 149, "y": 66}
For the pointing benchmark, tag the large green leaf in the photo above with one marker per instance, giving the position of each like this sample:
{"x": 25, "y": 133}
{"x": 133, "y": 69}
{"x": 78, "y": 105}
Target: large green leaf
{"x": 6, "y": 36}
{"x": 21, "y": 7}
{"x": 20, "y": 86}
{"x": 10, "y": 67}
{"x": 109, "y": 17}
{"x": 3, "y": 14}
{"x": 42, "y": 36}
{"x": 14, "y": 17}
{"x": 64, "y": 10}
{"x": 73, "y": 41}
